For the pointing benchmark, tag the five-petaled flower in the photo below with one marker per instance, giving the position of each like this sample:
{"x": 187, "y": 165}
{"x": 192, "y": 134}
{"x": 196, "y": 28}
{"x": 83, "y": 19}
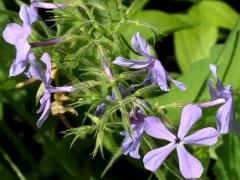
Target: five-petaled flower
{"x": 36, "y": 72}
{"x": 225, "y": 114}
{"x": 156, "y": 72}
{"x": 190, "y": 167}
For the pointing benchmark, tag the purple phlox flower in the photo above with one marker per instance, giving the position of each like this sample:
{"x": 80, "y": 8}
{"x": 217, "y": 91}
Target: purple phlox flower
{"x": 131, "y": 142}
{"x": 36, "y": 72}
{"x": 156, "y": 72}
{"x": 225, "y": 114}
{"x": 190, "y": 167}
{"x": 17, "y": 35}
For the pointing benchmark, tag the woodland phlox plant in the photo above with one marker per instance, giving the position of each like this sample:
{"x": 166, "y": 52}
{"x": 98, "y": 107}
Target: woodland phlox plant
{"x": 115, "y": 87}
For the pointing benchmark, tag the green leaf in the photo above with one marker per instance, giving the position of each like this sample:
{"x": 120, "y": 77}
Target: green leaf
{"x": 194, "y": 43}
{"x": 218, "y": 13}
{"x": 228, "y": 163}
{"x": 148, "y": 22}
{"x": 135, "y": 7}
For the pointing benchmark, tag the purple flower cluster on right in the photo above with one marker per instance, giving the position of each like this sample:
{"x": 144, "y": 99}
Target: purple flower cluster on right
{"x": 190, "y": 167}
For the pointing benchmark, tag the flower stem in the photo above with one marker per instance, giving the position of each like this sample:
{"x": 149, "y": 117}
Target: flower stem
{"x": 12, "y": 164}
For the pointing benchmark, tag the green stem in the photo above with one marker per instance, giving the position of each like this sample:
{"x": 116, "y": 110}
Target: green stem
{"x": 13, "y": 166}
{"x": 122, "y": 14}
{"x": 124, "y": 113}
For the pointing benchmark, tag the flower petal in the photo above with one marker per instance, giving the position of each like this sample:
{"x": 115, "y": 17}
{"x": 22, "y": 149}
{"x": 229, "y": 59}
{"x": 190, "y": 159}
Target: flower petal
{"x": 179, "y": 84}
{"x": 13, "y": 33}
{"x": 225, "y": 116}
{"x": 45, "y": 108}
{"x": 141, "y": 45}
{"x": 135, "y": 64}
{"x": 154, "y": 159}
{"x": 155, "y": 128}
{"x": 211, "y": 90}
{"x": 190, "y": 167}
{"x": 62, "y": 89}
{"x": 131, "y": 143}
{"x": 19, "y": 64}
{"x": 158, "y": 75}
{"x": 28, "y": 14}
{"x": 214, "y": 70}
{"x": 49, "y": 5}
{"x": 35, "y": 69}
{"x": 207, "y": 136}
{"x": 190, "y": 114}
{"x": 47, "y": 60}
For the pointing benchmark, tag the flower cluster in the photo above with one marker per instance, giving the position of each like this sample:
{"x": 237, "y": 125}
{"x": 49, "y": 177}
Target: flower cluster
{"x": 190, "y": 167}
{"x": 18, "y": 35}
{"x": 140, "y": 122}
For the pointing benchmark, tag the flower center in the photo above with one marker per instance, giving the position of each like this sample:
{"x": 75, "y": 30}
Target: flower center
{"x": 178, "y": 140}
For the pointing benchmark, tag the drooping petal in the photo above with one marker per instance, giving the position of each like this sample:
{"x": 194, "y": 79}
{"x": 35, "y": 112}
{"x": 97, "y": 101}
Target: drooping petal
{"x": 226, "y": 93}
{"x": 45, "y": 108}
{"x": 155, "y": 128}
{"x": 211, "y": 103}
{"x": 141, "y": 45}
{"x": 134, "y": 153}
{"x": 135, "y": 64}
{"x": 49, "y": 5}
{"x": 190, "y": 167}
{"x": 46, "y": 43}
{"x": 13, "y": 33}
{"x": 158, "y": 75}
{"x": 214, "y": 70}
{"x": 28, "y": 14}
{"x": 62, "y": 89}
{"x": 211, "y": 89}
{"x": 154, "y": 159}
{"x": 190, "y": 114}
{"x": 19, "y": 64}
{"x": 179, "y": 84}
{"x": 35, "y": 69}
{"x": 225, "y": 116}
{"x": 207, "y": 136}
{"x": 131, "y": 143}
{"x": 17, "y": 67}
{"x": 47, "y": 60}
